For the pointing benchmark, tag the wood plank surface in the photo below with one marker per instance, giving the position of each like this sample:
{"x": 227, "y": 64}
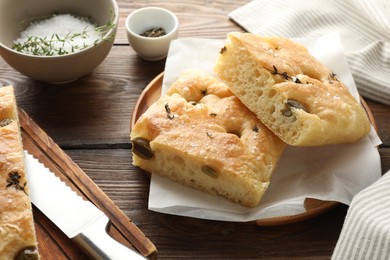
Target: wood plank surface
{"x": 181, "y": 237}
{"x": 90, "y": 121}
{"x": 42, "y": 147}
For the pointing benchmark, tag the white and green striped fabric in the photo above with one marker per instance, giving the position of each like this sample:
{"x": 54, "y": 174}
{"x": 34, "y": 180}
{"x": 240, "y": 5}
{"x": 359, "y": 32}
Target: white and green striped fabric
{"x": 366, "y": 230}
{"x": 364, "y": 27}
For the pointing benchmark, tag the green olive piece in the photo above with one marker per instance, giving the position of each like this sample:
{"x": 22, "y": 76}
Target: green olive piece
{"x": 141, "y": 147}
{"x": 292, "y": 103}
{"x": 209, "y": 171}
{"x": 5, "y": 122}
{"x": 27, "y": 253}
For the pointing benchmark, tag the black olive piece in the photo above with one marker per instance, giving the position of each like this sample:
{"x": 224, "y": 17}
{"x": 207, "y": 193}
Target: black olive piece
{"x": 292, "y": 103}
{"x": 141, "y": 147}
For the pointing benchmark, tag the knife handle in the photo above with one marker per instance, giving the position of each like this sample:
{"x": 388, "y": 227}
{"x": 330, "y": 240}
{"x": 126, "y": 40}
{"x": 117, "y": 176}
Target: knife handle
{"x": 99, "y": 245}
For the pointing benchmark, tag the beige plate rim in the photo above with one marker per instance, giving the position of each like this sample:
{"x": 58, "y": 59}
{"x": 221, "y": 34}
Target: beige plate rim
{"x": 313, "y": 207}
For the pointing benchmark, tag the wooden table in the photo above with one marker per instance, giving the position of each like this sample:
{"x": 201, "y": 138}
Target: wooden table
{"x": 90, "y": 120}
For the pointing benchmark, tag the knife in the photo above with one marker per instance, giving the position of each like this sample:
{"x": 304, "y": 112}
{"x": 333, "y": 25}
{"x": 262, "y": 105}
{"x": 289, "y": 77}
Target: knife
{"x": 79, "y": 219}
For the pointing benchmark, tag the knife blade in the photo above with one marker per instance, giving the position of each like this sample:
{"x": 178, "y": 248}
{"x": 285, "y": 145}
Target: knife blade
{"x": 79, "y": 219}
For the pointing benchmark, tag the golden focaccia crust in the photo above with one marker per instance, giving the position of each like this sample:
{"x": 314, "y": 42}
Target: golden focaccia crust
{"x": 199, "y": 134}
{"x": 17, "y": 233}
{"x": 290, "y": 91}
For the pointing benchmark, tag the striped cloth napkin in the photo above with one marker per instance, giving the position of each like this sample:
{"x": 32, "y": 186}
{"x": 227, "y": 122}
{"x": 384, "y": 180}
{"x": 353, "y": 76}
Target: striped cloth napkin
{"x": 366, "y": 230}
{"x": 364, "y": 27}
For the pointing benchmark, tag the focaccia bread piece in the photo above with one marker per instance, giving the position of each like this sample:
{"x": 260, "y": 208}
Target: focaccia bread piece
{"x": 290, "y": 91}
{"x": 200, "y": 135}
{"x": 17, "y": 232}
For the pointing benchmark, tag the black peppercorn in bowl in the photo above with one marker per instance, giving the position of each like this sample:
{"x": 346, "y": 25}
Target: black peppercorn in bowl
{"x": 150, "y": 31}
{"x": 56, "y": 41}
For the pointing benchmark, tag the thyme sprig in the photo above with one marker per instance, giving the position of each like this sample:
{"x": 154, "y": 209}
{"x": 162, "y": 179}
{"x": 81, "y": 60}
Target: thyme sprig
{"x": 14, "y": 180}
{"x": 332, "y": 77}
{"x": 285, "y": 75}
{"x": 170, "y": 115}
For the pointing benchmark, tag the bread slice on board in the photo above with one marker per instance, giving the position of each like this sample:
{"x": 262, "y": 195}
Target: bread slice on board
{"x": 17, "y": 232}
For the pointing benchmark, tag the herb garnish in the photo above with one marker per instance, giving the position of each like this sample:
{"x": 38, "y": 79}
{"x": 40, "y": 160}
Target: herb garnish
{"x": 332, "y": 78}
{"x": 13, "y": 180}
{"x": 275, "y": 72}
{"x": 5, "y": 122}
{"x": 255, "y": 129}
{"x": 285, "y": 75}
{"x": 223, "y": 49}
{"x": 168, "y": 110}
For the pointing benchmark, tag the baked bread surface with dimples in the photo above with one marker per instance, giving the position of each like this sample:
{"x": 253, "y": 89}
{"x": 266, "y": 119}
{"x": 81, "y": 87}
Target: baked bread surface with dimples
{"x": 291, "y": 92}
{"x": 200, "y": 135}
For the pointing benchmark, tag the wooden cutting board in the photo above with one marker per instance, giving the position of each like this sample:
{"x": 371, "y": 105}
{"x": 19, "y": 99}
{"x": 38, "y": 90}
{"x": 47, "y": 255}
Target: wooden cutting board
{"x": 53, "y": 243}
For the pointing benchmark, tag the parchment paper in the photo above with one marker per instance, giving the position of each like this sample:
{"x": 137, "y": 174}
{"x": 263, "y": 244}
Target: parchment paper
{"x": 329, "y": 173}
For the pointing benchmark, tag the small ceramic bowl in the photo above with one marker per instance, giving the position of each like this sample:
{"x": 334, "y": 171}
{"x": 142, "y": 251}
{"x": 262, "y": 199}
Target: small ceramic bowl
{"x": 16, "y": 15}
{"x": 146, "y": 19}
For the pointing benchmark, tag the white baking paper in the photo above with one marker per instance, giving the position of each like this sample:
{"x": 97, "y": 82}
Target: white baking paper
{"x": 329, "y": 173}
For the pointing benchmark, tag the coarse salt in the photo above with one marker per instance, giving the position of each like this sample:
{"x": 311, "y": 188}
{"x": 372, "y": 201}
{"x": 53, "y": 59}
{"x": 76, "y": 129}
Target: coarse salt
{"x": 65, "y": 32}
